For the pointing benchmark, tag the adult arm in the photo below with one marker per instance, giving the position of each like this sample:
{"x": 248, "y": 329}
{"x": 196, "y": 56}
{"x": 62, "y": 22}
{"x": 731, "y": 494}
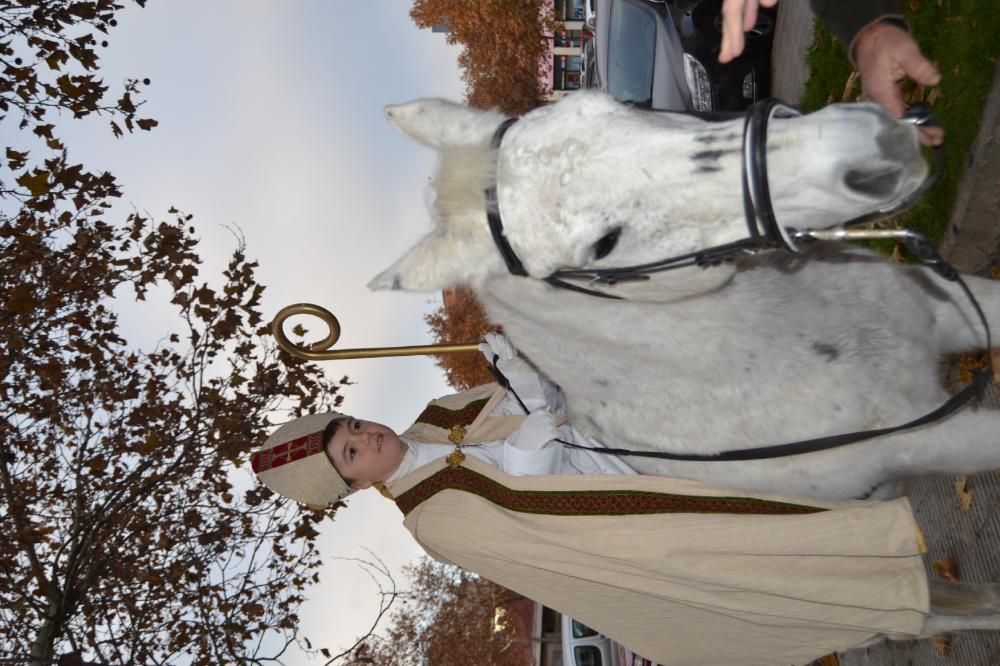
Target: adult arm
{"x": 876, "y": 39}
{"x": 846, "y": 19}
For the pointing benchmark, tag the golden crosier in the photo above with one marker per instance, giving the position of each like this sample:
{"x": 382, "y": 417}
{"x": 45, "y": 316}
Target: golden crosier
{"x": 317, "y": 351}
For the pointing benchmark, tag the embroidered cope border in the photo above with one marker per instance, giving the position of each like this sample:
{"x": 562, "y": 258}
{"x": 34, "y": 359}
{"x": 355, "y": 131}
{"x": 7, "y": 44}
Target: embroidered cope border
{"x": 589, "y": 502}
{"x": 442, "y": 417}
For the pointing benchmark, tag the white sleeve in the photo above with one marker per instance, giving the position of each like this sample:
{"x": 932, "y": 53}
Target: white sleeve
{"x": 524, "y": 462}
{"x": 531, "y": 449}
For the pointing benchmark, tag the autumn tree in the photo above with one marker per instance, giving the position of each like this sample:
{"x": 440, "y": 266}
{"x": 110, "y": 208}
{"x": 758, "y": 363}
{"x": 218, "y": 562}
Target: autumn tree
{"x": 505, "y": 47}
{"x": 125, "y": 535}
{"x": 50, "y": 57}
{"x": 130, "y": 529}
{"x": 461, "y": 318}
{"x": 448, "y": 617}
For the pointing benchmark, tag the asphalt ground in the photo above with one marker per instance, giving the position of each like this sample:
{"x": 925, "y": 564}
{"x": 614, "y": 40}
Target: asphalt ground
{"x": 969, "y": 537}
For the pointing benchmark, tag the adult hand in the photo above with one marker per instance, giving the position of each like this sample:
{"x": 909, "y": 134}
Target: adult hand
{"x": 885, "y": 54}
{"x": 738, "y": 16}
{"x": 497, "y": 344}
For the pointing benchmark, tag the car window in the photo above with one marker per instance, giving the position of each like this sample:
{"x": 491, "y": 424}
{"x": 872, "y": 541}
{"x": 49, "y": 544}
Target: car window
{"x": 590, "y": 77}
{"x": 587, "y": 655}
{"x": 580, "y": 630}
{"x": 631, "y": 52}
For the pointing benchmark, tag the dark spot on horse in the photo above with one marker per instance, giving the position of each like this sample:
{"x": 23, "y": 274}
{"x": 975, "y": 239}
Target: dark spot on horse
{"x": 828, "y": 351}
{"x": 602, "y": 403}
{"x": 636, "y": 203}
{"x": 396, "y": 283}
{"x": 746, "y": 369}
{"x": 704, "y": 168}
{"x": 838, "y": 408}
{"x": 709, "y": 155}
{"x": 714, "y": 137}
{"x": 752, "y": 354}
{"x": 602, "y": 382}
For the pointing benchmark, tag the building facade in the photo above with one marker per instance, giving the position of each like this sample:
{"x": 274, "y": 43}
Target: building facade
{"x": 566, "y": 51}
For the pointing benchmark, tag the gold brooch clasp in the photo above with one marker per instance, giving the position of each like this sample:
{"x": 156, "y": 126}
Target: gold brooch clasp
{"x": 456, "y": 435}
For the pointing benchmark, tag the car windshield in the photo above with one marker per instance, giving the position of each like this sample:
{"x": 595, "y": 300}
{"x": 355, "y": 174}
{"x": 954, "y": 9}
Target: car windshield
{"x": 580, "y": 630}
{"x": 631, "y": 52}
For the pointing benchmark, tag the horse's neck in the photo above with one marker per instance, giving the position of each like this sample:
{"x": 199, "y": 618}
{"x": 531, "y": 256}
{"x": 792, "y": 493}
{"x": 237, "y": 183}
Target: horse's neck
{"x": 542, "y": 316}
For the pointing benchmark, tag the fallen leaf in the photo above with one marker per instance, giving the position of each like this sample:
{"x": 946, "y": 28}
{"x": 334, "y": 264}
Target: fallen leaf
{"x": 945, "y": 569}
{"x": 995, "y": 358}
{"x": 897, "y": 254}
{"x": 968, "y": 364}
{"x": 942, "y": 643}
{"x": 934, "y": 96}
{"x": 852, "y": 81}
{"x": 963, "y": 492}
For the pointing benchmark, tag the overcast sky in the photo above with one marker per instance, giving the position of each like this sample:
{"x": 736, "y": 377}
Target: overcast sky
{"x": 271, "y": 121}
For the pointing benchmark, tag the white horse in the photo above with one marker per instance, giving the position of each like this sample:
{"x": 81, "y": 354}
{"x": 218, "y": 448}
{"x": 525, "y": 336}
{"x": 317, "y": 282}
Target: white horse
{"x": 775, "y": 348}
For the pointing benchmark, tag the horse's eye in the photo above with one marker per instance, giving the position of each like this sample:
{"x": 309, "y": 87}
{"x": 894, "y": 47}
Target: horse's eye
{"x": 607, "y": 243}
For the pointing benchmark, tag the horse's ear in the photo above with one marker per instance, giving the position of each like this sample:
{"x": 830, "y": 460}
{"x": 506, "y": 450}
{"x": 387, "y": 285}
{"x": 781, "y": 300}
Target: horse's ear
{"x": 439, "y": 123}
{"x": 438, "y": 261}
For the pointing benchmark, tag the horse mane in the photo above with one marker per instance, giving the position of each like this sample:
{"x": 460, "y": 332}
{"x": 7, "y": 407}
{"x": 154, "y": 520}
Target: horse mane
{"x": 463, "y": 173}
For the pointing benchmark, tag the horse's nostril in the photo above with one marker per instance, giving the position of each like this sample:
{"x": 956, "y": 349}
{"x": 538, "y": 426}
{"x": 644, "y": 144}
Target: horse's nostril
{"x": 874, "y": 182}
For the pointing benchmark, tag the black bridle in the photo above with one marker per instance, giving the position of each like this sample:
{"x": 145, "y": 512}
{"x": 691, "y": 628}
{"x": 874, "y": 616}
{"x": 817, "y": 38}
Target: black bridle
{"x": 764, "y": 232}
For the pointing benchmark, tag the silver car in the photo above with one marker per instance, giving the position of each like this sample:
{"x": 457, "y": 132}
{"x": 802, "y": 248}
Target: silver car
{"x": 664, "y": 56}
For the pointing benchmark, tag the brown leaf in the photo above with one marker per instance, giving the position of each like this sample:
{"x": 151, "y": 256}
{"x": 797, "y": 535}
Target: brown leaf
{"x": 942, "y": 643}
{"x": 946, "y": 569}
{"x": 963, "y": 492}
{"x": 253, "y": 609}
{"x": 898, "y": 257}
{"x": 37, "y": 182}
{"x": 852, "y": 82}
{"x": 15, "y": 159}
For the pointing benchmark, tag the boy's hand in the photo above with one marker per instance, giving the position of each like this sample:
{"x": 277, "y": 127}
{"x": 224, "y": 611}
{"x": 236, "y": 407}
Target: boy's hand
{"x": 537, "y": 430}
{"x": 497, "y": 344}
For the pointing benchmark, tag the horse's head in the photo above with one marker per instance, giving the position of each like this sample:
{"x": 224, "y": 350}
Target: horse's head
{"x": 588, "y": 182}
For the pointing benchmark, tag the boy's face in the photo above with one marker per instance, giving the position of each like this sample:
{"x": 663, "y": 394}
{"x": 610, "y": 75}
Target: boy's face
{"x": 365, "y": 452}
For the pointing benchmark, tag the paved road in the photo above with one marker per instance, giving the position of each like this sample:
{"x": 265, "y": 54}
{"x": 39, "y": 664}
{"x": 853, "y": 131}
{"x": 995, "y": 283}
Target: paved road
{"x": 970, "y": 538}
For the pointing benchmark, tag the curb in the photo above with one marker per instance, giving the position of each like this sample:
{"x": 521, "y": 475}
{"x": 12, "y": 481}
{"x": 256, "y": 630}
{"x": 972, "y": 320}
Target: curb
{"x": 972, "y": 241}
